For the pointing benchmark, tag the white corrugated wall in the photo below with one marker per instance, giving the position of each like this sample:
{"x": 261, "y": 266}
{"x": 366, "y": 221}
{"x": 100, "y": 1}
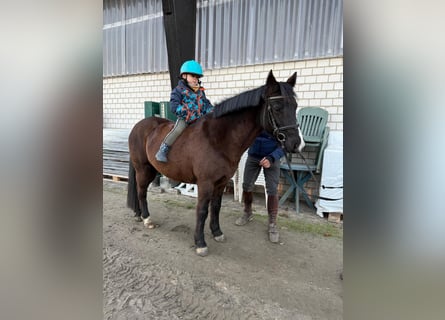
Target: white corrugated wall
{"x": 229, "y": 33}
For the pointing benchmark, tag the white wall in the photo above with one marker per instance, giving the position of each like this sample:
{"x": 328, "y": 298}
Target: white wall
{"x": 319, "y": 84}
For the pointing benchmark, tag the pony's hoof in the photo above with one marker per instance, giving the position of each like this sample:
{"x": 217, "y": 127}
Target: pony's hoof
{"x": 149, "y": 224}
{"x": 138, "y": 218}
{"x": 202, "y": 252}
{"x": 220, "y": 238}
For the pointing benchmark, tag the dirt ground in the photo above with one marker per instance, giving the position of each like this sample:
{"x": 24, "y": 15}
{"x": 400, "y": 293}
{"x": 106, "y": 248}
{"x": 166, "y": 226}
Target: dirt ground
{"x": 155, "y": 273}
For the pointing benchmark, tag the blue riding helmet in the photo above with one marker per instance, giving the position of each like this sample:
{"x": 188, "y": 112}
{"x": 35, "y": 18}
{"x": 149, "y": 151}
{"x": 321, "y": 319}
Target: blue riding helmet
{"x": 191, "y": 66}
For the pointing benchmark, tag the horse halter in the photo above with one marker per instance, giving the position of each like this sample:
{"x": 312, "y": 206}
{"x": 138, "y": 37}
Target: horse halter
{"x": 277, "y": 131}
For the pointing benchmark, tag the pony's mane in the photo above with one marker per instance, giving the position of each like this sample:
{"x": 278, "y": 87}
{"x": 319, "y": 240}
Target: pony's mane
{"x": 243, "y": 100}
{"x": 248, "y": 99}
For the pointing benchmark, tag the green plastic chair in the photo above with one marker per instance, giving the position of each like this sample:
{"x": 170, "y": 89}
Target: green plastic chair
{"x": 312, "y": 122}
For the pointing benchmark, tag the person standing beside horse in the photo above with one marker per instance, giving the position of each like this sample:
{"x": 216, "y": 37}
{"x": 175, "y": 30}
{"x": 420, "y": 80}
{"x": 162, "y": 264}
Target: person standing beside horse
{"x": 188, "y": 101}
{"x": 264, "y": 153}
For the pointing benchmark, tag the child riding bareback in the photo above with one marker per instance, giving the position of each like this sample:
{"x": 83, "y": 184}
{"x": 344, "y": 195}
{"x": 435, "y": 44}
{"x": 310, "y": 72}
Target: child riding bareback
{"x": 188, "y": 101}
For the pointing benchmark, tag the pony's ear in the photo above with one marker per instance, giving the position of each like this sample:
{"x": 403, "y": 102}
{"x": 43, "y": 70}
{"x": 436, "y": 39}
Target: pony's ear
{"x": 292, "y": 79}
{"x": 271, "y": 79}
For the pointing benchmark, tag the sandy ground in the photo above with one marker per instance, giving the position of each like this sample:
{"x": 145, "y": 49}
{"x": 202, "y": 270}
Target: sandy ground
{"x": 155, "y": 273}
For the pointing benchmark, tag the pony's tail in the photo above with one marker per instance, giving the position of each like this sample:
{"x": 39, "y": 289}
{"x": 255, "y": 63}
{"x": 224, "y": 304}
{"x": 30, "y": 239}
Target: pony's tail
{"x": 132, "y": 194}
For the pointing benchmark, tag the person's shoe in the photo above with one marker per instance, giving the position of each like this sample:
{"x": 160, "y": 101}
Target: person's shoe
{"x": 274, "y": 235}
{"x": 245, "y": 218}
{"x": 161, "y": 155}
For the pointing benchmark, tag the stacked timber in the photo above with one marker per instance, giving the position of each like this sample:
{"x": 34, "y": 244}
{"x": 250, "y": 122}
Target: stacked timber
{"x": 115, "y": 153}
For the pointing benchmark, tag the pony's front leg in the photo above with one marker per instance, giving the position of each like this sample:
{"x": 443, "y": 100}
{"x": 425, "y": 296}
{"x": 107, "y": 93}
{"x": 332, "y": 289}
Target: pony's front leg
{"x": 215, "y": 207}
{"x": 202, "y": 211}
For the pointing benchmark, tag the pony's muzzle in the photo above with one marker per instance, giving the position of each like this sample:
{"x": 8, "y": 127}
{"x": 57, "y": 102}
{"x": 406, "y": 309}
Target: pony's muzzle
{"x": 300, "y": 147}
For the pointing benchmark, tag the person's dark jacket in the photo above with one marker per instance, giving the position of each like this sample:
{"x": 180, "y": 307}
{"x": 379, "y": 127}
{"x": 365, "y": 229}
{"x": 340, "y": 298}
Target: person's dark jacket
{"x": 265, "y": 145}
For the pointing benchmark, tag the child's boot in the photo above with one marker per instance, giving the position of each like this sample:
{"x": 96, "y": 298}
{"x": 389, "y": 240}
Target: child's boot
{"x": 161, "y": 155}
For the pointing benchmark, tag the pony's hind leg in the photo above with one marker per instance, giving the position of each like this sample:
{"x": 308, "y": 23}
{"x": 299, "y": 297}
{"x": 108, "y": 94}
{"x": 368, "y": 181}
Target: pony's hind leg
{"x": 144, "y": 176}
{"x": 215, "y": 208}
{"x": 132, "y": 194}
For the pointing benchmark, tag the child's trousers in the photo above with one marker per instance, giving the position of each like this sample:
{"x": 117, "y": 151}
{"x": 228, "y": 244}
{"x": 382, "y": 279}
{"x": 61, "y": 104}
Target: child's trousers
{"x": 171, "y": 137}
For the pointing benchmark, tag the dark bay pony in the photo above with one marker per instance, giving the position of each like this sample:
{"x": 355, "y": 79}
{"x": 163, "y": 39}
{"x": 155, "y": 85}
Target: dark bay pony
{"x": 207, "y": 153}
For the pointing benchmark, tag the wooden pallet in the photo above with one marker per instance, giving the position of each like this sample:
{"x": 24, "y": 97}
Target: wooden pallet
{"x": 116, "y": 178}
{"x": 336, "y": 217}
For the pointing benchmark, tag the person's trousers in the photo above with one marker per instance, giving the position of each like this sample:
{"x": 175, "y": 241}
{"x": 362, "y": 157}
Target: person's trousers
{"x": 271, "y": 175}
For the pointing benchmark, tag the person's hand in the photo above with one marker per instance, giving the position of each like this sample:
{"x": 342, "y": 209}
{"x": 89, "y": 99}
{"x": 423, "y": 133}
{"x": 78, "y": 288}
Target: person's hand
{"x": 265, "y": 163}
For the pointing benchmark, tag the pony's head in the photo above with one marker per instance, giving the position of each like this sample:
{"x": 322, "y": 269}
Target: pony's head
{"x": 278, "y": 115}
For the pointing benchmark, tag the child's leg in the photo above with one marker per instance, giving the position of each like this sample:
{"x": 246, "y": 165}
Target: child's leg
{"x": 171, "y": 137}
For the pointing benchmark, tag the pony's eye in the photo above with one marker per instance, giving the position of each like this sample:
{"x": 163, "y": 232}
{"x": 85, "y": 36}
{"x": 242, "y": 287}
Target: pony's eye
{"x": 277, "y": 106}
